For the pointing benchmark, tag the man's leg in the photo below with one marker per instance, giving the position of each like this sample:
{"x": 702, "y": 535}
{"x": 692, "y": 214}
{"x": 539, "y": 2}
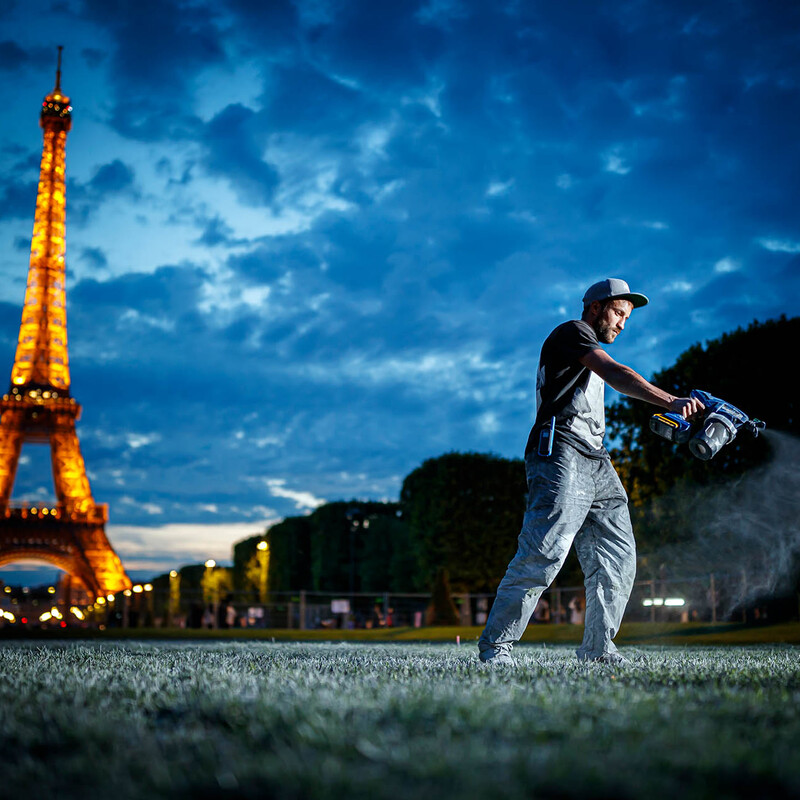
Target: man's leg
{"x": 560, "y": 492}
{"x": 607, "y": 553}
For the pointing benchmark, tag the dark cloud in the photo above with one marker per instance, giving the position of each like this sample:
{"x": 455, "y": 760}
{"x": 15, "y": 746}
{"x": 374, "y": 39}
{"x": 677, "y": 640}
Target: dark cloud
{"x": 12, "y": 56}
{"x": 234, "y": 139}
{"x": 215, "y": 232}
{"x": 153, "y": 66}
{"x": 94, "y": 257}
{"x": 267, "y": 262}
{"x": 19, "y": 183}
{"x": 94, "y": 57}
{"x": 167, "y": 291}
{"x": 385, "y": 46}
{"x": 271, "y": 27}
{"x": 112, "y": 178}
{"x": 10, "y": 315}
{"x": 18, "y": 200}
{"x": 108, "y": 180}
{"x": 302, "y": 99}
{"x": 158, "y": 56}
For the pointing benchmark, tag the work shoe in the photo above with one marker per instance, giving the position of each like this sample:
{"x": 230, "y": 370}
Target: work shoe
{"x": 614, "y": 659}
{"x": 496, "y": 658}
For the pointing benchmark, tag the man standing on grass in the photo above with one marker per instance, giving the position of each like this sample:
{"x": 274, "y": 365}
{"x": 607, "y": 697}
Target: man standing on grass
{"x": 574, "y": 493}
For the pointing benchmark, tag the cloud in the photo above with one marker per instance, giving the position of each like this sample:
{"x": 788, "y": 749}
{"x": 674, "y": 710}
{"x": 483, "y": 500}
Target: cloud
{"x": 780, "y": 245}
{"x": 615, "y": 162}
{"x": 384, "y": 47}
{"x": 497, "y": 188}
{"x": 232, "y": 140}
{"x": 726, "y": 265}
{"x": 303, "y": 99}
{"x": 160, "y": 294}
{"x": 94, "y": 257}
{"x": 115, "y": 179}
{"x": 18, "y": 200}
{"x": 12, "y": 56}
{"x": 164, "y": 547}
{"x": 153, "y": 67}
{"x": 304, "y": 501}
{"x": 215, "y": 232}
{"x": 94, "y": 57}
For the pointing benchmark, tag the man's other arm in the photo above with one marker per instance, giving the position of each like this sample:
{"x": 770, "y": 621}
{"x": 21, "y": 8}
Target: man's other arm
{"x": 629, "y": 382}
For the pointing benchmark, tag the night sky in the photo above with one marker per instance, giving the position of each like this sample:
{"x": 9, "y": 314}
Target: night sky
{"x": 311, "y": 244}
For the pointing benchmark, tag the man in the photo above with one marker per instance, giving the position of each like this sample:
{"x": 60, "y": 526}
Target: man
{"x": 574, "y": 493}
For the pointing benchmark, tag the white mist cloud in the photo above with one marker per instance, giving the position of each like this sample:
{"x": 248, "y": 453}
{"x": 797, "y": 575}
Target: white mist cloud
{"x": 497, "y": 188}
{"x": 166, "y": 547}
{"x": 746, "y": 532}
{"x": 302, "y": 500}
{"x": 488, "y": 422}
{"x": 614, "y": 162}
{"x": 780, "y": 245}
{"x": 725, "y": 265}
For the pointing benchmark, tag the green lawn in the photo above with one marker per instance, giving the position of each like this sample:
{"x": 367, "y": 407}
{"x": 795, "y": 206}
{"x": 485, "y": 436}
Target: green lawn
{"x": 356, "y": 720}
{"x": 638, "y": 633}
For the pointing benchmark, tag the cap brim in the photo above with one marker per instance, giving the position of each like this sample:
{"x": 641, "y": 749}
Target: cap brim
{"x": 637, "y": 299}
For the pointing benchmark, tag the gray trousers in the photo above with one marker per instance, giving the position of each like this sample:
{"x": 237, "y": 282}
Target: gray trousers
{"x": 570, "y": 498}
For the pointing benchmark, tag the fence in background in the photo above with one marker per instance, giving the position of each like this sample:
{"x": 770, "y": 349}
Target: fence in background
{"x": 708, "y": 598}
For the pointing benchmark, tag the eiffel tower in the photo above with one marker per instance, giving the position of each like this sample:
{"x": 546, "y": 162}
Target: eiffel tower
{"x": 38, "y": 406}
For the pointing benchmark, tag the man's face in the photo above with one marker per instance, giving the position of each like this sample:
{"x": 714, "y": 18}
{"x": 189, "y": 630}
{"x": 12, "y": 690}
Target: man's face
{"x": 611, "y": 320}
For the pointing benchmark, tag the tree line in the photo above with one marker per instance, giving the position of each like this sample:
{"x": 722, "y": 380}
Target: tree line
{"x": 459, "y": 512}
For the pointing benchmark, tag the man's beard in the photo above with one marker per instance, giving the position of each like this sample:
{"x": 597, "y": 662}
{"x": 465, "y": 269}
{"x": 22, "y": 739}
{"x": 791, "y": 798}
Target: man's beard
{"x": 605, "y": 333}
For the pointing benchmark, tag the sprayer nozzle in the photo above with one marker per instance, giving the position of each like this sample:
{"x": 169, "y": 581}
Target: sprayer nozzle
{"x": 756, "y": 425}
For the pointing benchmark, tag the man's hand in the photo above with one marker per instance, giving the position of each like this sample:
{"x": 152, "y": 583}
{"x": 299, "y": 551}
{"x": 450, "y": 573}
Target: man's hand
{"x": 687, "y": 407}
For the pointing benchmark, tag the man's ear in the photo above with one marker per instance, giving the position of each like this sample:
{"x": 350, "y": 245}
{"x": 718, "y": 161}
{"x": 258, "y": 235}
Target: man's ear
{"x": 594, "y": 309}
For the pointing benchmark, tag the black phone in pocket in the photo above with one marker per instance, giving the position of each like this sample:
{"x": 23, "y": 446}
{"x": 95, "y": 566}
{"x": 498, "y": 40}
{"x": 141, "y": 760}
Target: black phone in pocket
{"x": 546, "y": 436}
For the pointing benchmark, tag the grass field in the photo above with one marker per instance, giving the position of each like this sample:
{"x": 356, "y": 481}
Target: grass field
{"x": 250, "y": 719}
{"x": 637, "y": 633}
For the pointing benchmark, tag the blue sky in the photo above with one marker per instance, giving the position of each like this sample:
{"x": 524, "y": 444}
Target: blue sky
{"x": 312, "y": 243}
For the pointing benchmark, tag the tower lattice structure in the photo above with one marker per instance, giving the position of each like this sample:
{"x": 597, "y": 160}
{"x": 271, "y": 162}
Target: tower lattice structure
{"x": 38, "y": 406}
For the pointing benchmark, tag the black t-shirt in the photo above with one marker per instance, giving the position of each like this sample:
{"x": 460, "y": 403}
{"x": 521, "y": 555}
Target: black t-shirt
{"x": 570, "y": 392}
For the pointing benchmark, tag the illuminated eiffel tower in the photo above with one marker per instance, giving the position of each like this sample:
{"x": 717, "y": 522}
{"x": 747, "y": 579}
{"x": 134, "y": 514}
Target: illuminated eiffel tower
{"x": 38, "y": 407}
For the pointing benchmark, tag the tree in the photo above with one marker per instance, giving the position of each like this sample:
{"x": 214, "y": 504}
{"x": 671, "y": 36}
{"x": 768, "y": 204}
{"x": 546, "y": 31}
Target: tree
{"x": 340, "y": 544}
{"x": 351, "y": 546}
{"x": 464, "y": 512}
{"x": 748, "y": 368}
{"x": 386, "y": 564}
{"x": 442, "y": 610}
{"x": 216, "y": 583}
{"x": 290, "y": 555}
{"x": 247, "y": 567}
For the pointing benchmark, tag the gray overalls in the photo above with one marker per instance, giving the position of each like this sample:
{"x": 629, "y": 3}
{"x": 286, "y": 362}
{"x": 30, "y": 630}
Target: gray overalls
{"x": 570, "y": 497}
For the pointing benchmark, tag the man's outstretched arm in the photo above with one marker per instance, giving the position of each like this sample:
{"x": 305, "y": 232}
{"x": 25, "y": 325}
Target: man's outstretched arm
{"x": 629, "y": 382}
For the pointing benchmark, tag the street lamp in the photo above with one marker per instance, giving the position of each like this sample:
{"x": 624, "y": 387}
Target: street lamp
{"x": 210, "y": 588}
{"x": 357, "y": 521}
{"x": 125, "y": 610}
{"x": 354, "y": 518}
{"x": 263, "y": 560}
{"x": 174, "y": 595}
